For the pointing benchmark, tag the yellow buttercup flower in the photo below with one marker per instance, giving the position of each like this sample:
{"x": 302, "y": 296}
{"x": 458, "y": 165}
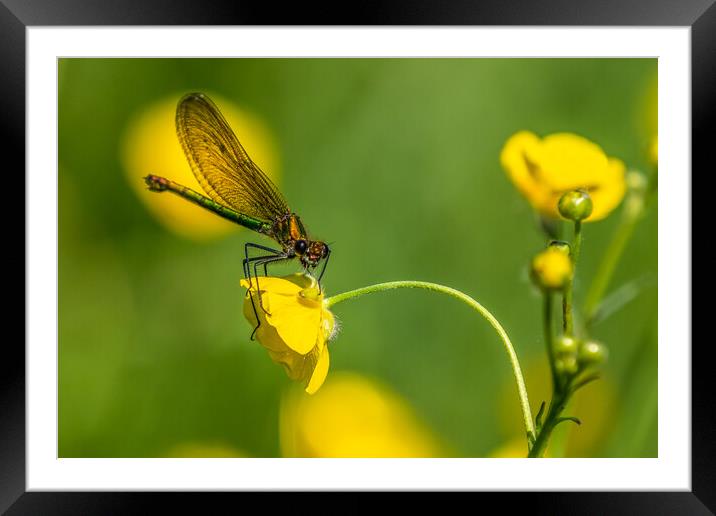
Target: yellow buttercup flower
{"x": 543, "y": 169}
{"x": 353, "y": 416}
{"x": 551, "y": 268}
{"x": 151, "y": 146}
{"x": 295, "y": 325}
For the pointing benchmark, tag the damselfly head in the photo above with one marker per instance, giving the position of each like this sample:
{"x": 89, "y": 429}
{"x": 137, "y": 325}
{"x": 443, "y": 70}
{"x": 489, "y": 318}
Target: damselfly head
{"x": 313, "y": 252}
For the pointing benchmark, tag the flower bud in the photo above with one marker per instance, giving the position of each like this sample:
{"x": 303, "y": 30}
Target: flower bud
{"x": 565, "y": 345}
{"x": 561, "y": 245}
{"x": 592, "y": 353}
{"x": 636, "y": 182}
{"x": 575, "y": 205}
{"x": 559, "y": 366}
{"x": 570, "y": 364}
{"x": 566, "y": 365}
{"x": 551, "y": 269}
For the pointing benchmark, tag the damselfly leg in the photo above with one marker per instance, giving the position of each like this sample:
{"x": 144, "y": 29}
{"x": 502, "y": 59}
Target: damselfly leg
{"x": 258, "y": 261}
{"x": 325, "y": 262}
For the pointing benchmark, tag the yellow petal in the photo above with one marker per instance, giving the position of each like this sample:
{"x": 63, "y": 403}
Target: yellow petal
{"x": 273, "y": 285}
{"x": 266, "y": 334}
{"x": 568, "y": 161}
{"x": 516, "y": 160}
{"x": 610, "y": 192}
{"x": 319, "y": 373}
{"x": 296, "y": 320}
{"x": 297, "y": 367}
{"x": 519, "y": 158}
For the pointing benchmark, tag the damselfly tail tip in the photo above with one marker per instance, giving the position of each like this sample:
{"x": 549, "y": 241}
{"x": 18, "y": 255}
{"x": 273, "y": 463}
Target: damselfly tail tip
{"x": 156, "y": 183}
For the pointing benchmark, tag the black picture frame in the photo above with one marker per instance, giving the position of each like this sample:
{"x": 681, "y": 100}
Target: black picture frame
{"x": 17, "y": 15}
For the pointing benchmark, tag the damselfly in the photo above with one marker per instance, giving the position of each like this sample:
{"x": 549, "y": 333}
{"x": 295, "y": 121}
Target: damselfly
{"x": 238, "y": 190}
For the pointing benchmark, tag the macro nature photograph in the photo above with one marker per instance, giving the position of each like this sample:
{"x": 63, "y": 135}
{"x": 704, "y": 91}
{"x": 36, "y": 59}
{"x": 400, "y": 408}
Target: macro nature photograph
{"x": 357, "y": 258}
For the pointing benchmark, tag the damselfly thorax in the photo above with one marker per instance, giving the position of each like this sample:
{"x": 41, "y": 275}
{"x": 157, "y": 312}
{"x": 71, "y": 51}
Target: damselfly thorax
{"x": 291, "y": 234}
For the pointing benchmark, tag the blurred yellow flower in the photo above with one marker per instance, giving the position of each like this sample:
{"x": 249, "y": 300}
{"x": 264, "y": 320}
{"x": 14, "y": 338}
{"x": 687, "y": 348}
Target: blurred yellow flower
{"x": 295, "y": 325}
{"x": 551, "y": 268}
{"x": 596, "y": 405}
{"x": 353, "y": 416}
{"x": 151, "y": 146}
{"x": 544, "y": 169}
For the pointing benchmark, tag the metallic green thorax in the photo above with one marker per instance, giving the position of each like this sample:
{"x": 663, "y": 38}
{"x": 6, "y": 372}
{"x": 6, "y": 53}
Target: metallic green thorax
{"x": 160, "y": 184}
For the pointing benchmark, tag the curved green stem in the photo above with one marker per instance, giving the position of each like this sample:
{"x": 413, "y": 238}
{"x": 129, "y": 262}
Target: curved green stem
{"x": 567, "y": 299}
{"x": 560, "y": 392}
{"x": 556, "y": 407}
{"x": 577, "y": 243}
{"x": 549, "y": 337}
{"x": 517, "y": 371}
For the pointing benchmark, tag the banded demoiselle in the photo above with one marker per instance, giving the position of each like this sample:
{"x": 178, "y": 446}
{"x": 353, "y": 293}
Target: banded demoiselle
{"x": 238, "y": 190}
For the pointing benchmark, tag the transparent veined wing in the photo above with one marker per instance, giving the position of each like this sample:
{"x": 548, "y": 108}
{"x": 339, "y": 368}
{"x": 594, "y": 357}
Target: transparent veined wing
{"x": 221, "y": 165}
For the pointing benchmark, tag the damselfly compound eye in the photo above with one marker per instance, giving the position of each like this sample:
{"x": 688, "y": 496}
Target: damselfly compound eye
{"x": 300, "y": 246}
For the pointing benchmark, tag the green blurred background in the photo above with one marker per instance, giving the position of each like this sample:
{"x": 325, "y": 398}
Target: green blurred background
{"x": 394, "y": 161}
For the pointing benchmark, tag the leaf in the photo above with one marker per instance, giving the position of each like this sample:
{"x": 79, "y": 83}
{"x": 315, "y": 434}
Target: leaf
{"x": 585, "y": 381}
{"x": 621, "y": 297}
{"x": 538, "y": 419}
{"x": 568, "y": 418}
